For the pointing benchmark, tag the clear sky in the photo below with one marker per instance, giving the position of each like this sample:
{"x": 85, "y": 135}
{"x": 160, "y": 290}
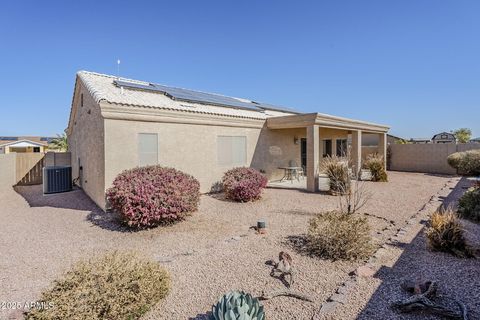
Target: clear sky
{"x": 414, "y": 64}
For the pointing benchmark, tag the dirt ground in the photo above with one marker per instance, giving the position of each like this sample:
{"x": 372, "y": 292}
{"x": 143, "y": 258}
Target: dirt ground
{"x": 210, "y": 253}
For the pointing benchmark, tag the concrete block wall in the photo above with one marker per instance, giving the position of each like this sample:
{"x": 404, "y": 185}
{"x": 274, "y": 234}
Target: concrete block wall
{"x": 427, "y": 158}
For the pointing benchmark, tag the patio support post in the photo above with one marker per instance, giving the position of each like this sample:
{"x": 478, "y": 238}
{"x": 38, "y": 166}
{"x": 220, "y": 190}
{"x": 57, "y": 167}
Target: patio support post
{"x": 356, "y": 152}
{"x": 313, "y": 157}
{"x": 382, "y": 147}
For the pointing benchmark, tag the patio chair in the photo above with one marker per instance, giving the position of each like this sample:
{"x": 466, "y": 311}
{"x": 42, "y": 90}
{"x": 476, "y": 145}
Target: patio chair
{"x": 300, "y": 172}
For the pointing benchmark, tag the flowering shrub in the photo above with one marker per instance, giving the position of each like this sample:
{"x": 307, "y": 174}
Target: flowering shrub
{"x": 243, "y": 184}
{"x": 153, "y": 195}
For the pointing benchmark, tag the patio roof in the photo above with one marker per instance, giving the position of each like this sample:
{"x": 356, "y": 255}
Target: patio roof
{"x": 323, "y": 120}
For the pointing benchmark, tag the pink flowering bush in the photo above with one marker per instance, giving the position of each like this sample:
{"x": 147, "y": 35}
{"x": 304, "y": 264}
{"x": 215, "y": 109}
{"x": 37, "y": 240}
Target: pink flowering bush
{"x": 153, "y": 195}
{"x": 243, "y": 184}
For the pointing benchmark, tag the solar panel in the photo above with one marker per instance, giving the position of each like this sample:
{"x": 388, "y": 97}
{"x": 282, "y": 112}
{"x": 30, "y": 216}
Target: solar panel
{"x": 8, "y": 138}
{"x": 200, "y": 97}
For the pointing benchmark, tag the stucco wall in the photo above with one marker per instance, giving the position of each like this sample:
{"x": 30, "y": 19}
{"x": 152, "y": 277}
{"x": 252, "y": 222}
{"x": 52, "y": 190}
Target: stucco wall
{"x": 428, "y": 158}
{"x": 276, "y": 148}
{"x": 193, "y": 148}
{"x": 86, "y": 142}
{"x": 187, "y": 147}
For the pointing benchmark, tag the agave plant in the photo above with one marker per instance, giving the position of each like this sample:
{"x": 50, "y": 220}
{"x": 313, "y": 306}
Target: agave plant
{"x": 237, "y": 305}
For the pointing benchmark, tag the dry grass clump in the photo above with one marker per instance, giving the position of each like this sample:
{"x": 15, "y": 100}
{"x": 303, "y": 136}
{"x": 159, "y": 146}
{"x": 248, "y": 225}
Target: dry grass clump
{"x": 337, "y": 171}
{"x": 376, "y": 165}
{"x": 445, "y": 233}
{"x": 113, "y": 286}
{"x": 339, "y": 236}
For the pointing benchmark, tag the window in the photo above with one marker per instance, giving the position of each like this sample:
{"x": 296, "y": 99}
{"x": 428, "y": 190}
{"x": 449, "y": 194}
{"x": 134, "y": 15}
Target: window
{"x": 81, "y": 100}
{"x": 341, "y": 147}
{"x": 327, "y": 148}
{"x": 147, "y": 149}
{"x": 231, "y": 150}
{"x": 36, "y": 149}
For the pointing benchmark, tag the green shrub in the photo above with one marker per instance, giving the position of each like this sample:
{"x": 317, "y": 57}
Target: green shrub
{"x": 469, "y": 204}
{"x": 467, "y": 162}
{"x": 337, "y": 171}
{"x": 112, "y": 286}
{"x": 376, "y": 165}
{"x": 237, "y": 305}
{"x": 445, "y": 233}
{"x": 336, "y": 235}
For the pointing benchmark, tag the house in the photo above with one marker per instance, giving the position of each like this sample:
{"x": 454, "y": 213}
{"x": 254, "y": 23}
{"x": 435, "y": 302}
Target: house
{"x": 475, "y": 140}
{"x": 420, "y": 140}
{"x": 444, "y": 137}
{"x": 117, "y": 124}
{"x": 24, "y": 144}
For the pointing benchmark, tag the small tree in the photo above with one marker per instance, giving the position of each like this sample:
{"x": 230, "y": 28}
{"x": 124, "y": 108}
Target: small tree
{"x": 463, "y": 135}
{"x": 59, "y": 143}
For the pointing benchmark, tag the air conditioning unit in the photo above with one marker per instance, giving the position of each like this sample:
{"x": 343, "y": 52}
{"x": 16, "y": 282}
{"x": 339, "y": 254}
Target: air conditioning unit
{"x": 57, "y": 179}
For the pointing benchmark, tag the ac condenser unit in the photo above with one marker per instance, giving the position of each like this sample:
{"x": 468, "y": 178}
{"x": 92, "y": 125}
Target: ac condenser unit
{"x": 57, "y": 179}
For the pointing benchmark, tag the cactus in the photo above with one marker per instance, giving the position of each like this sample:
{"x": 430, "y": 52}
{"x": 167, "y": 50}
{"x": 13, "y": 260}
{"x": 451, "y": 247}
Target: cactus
{"x": 237, "y": 305}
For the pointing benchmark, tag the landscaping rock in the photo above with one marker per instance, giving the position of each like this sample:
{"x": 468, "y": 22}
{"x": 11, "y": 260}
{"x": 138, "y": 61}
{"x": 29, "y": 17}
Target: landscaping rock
{"x": 365, "y": 271}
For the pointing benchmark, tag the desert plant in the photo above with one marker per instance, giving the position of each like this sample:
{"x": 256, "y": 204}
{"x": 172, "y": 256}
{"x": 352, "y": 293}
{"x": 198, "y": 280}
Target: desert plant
{"x": 113, "y": 286}
{"x": 336, "y": 169}
{"x": 469, "y": 204}
{"x": 445, "y": 233}
{"x": 350, "y": 201}
{"x": 336, "y": 235}
{"x": 243, "y": 184}
{"x": 59, "y": 143}
{"x": 237, "y": 305}
{"x": 463, "y": 135}
{"x": 153, "y": 195}
{"x": 376, "y": 165}
{"x": 467, "y": 162}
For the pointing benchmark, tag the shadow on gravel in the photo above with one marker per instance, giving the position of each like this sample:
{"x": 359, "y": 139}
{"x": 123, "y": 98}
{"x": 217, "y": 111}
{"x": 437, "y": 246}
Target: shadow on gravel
{"x": 203, "y": 316}
{"x": 75, "y": 200}
{"x": 457, "y": 278}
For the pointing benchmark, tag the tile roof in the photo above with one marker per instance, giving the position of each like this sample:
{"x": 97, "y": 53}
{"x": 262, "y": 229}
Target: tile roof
{"x": 102, "y": 87}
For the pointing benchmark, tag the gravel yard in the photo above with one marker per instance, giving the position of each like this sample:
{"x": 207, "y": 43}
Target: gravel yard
{"x": 210, "y": 253}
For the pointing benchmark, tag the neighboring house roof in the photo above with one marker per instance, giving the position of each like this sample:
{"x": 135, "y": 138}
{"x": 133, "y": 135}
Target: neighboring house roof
{"x": 22, "y": 143}
{"x": 137, "y": 93}
{"x": 444, "y": 136}
{"x": 475, "y": 139}
{"x": 419, "y": 139}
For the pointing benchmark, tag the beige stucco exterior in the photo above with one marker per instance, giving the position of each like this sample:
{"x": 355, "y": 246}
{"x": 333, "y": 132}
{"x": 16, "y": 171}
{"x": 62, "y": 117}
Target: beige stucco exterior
{"x": 86, "y": 142}
{"x": 103, "y": 139}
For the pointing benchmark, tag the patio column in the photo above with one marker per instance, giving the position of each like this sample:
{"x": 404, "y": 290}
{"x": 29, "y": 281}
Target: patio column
{"x": 313, "y": 157}
{"x": 356, "y": 152}
{"x": 382, "y": 146}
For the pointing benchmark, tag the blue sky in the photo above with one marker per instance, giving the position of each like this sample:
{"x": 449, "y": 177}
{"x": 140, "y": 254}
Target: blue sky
{"x": 414, "y": 65}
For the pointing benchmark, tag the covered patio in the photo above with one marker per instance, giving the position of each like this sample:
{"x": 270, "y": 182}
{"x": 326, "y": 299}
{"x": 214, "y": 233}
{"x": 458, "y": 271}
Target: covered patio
{"x": 326, "y": 135}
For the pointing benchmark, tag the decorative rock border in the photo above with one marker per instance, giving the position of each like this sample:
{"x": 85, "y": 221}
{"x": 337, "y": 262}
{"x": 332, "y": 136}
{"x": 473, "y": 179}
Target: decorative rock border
{"x": 369, "y": 269}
